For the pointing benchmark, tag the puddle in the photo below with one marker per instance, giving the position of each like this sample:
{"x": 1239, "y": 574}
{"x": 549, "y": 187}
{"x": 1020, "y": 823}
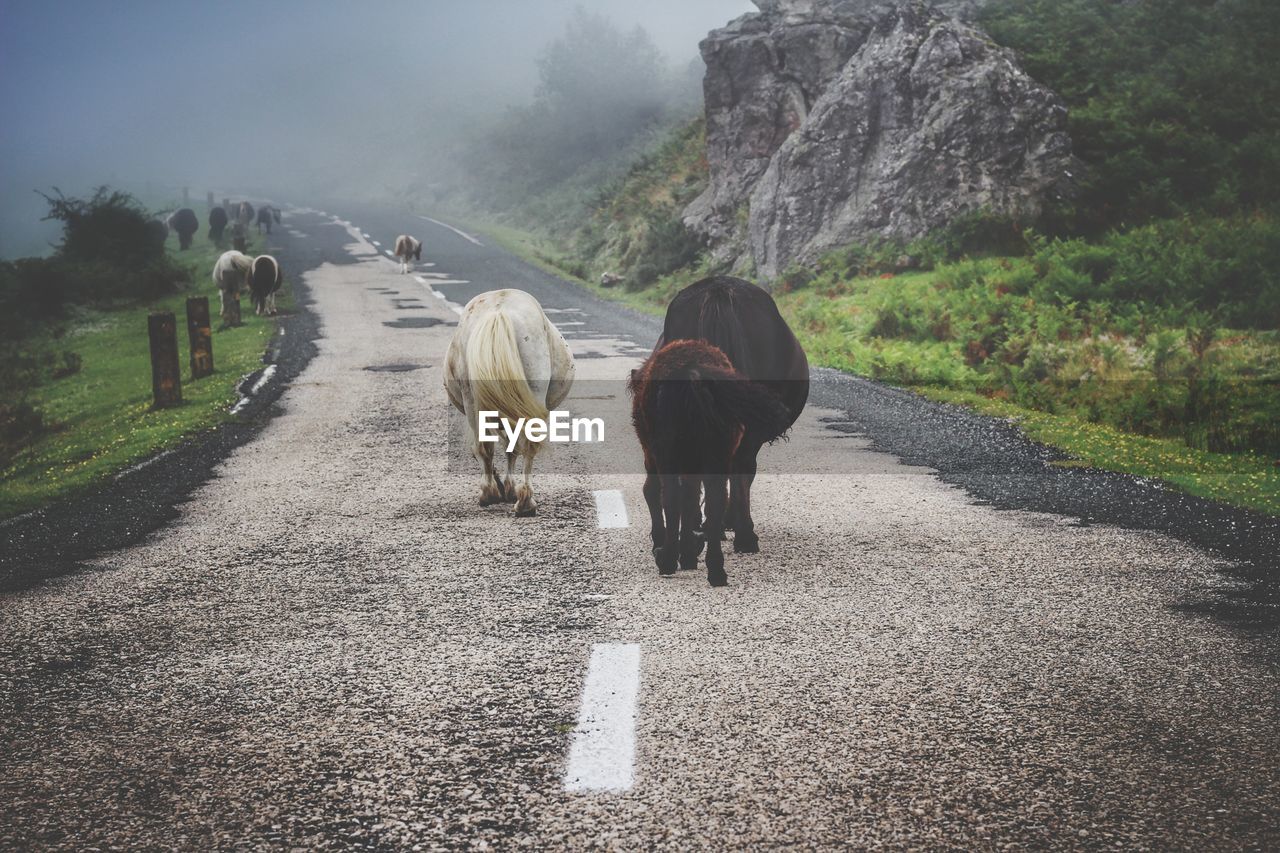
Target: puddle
{"x": 415, "y": 323}
{"x": 395, "y": 368}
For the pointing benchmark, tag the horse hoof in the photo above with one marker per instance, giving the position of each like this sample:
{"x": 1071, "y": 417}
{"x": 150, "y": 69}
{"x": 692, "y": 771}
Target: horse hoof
{"x": 746, "y": 543}
{"x": 526, "y": 513}
{"x": 688, "y": 562}
{"x": 489, "y": 500}
{"x": 666, "y": 562}
{"x": 717, "y": 578}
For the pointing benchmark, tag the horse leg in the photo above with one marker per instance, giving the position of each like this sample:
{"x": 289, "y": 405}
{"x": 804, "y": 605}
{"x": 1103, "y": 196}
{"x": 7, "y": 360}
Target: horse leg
{"x": 508, "y": 486}
{"x": 525, "y": 504}
{"x": 690, "y": 520}
{"x": 490, "y": 489}
{"x": 653, "y": 497}
{"x": 745, "y": 540}
{"x": 665, "y": 555}
{"x": 716, "y": 500}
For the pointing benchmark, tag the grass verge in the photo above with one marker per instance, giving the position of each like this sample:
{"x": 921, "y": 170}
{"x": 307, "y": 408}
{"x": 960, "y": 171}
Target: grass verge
{"x": 102, "y": 416}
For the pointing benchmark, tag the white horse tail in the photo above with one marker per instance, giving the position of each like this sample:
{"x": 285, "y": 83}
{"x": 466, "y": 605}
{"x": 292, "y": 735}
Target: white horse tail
{"x": 496, "y": 372}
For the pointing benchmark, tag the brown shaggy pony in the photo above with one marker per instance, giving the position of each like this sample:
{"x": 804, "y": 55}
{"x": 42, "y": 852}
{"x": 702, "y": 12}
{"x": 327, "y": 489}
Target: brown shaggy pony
{"x": 691, "y": 410}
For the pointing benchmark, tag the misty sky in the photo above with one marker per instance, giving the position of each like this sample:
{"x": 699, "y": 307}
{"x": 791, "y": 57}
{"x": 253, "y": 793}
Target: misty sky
{"x": 273, "y": 93}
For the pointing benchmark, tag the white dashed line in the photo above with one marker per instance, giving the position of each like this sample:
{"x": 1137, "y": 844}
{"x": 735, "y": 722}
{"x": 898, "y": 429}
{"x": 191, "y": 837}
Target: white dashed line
{"x": 143, "y": 464}
{"x": 464, "y": 235}
{"x": 390, "y": 254}
{"x": 611, "y": 509}
{"x": 602, "y": 751}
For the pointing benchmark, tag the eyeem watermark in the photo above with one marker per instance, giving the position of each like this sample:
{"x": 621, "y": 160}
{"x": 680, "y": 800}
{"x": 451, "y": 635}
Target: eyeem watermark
{"x": 559, "y": 429}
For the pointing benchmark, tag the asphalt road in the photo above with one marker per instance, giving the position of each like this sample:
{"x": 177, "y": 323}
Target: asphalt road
{"x": 331, "y": 644}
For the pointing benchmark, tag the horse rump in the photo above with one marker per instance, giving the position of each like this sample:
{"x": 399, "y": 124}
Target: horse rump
{"x": 691, "y": 409}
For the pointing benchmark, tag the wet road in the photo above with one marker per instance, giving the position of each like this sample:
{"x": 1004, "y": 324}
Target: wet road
{"x": 333, "y": 645}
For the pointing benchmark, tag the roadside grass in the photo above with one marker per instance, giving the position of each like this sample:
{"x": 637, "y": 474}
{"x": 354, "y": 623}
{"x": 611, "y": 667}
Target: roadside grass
{"x": 833, "y": 327}
{"x": 102, "y": 416}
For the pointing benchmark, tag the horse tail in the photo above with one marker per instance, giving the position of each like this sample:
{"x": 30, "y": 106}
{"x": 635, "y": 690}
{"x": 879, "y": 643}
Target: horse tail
{"x": 760, "y": 411}
{"x": 497, "y": 375}
{"x": 720, "y": 325}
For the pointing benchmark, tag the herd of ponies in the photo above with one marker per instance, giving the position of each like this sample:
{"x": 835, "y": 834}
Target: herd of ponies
{"x": 726, "y": 377}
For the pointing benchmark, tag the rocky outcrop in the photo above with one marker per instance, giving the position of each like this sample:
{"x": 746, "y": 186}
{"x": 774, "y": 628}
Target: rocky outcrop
{"x": 837, "y": 121}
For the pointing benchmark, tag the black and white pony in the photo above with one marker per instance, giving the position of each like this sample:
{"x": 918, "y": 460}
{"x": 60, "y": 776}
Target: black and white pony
{"x": 407, "y": 248}
{"x": 265, "y": 278}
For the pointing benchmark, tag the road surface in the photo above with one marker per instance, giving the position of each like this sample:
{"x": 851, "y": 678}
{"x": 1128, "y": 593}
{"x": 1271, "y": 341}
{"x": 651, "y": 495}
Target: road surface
{"x": 332, "y": 644}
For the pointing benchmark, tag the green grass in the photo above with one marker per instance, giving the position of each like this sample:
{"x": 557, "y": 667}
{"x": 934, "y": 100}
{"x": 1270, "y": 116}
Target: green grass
{"x": 1246, "y": 480}
{"x": 102, "y": 415}
{"x": 832, "y": 327}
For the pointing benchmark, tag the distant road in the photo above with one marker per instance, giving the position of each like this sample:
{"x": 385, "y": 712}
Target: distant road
{"x": 333, "y": 645}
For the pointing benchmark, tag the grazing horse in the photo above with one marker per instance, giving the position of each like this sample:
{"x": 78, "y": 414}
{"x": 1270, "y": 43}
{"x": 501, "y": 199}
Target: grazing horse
{"x": 244, "y": 214}
{"x": 231, "y": 274}
{"x": 184, "y": 222}
{"x": 407, "y": 248}
{"x": 264, "y": 218}
{"x": 217, "y": 224}
{"x": 742, "y": 320}
{"x": 507, "y": 357}
{"x": 691, "y": 411}
{"x": 265, "y": 279}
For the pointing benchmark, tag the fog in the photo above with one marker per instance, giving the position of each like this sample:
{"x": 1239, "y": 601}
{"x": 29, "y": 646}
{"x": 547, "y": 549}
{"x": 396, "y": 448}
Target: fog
{"x": 288, "y": 98}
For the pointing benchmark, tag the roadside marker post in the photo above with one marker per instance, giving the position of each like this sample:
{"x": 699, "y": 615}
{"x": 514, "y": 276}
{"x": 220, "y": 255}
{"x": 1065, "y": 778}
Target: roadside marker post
{"x": 200, "y": 336}
{"x": 166, "y": 380}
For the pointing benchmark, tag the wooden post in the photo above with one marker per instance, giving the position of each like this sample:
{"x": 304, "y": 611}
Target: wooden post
{"x": 226, "y": 205}
{"x": 166, "y": 381}
{"x": 200, "y": 336}
{"x": 186, "y": 196}
{"x": 208, "y": 199}
{"x": 231, "y": 310}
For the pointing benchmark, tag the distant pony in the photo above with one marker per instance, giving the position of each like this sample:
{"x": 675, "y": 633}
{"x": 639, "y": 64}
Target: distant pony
{"x": 184, "y": 222}
{"x": 743, "y": 322}
{"x": 507, "y": 357}
{"x": 691, "y": 410}
{"x": 264, "y": 218}
{"x": 217, "y": 224}
{"x": 407, "y": 248}
{"x": 265, "y": 279}
{"x": 231, "y": 275}
{"x": 244, "y": 214}
{"x": 157, "y": 233}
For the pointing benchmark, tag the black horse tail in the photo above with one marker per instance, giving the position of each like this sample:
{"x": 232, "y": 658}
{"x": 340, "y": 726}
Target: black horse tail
{"x": 760, "y": 411}
{"x": 720, "y": 325}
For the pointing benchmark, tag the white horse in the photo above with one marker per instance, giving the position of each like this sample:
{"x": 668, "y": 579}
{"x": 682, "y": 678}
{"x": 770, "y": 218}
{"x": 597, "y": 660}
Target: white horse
{"x": 407, "y": 248}
{"x": 231, "y": 274}
{"x": 507, "y": 357}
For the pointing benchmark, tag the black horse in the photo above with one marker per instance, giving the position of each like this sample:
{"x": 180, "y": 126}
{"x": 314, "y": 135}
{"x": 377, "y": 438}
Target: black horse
{"x": 184, "y": 222}
{"x": 217, "y": 224}
{"x": 742, "y": 321}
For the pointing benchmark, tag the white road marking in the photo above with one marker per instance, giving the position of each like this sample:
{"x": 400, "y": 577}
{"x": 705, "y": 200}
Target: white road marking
{"x": 603, "y": 749}
{"x": 390, "y": 254}
{"x": 267, "y": 373}
{"x": 449, "y": 281}
{"x": 365, "y": 235}
{"x": 571, "y": 323}
{"x": 464, "y": 235}
{"x": 143, "y": 464}
{"x": 611, "y": 509}
{"x": 376, "y": 243}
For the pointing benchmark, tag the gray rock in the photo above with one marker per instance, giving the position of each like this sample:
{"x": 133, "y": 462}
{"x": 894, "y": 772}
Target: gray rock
{"x": 835, "y": 121}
